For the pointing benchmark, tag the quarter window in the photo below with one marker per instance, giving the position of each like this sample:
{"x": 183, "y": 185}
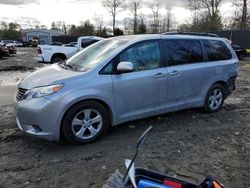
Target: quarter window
{"x": 183, "y": 51}
{"x": 144, "y": 55}
{"x": 216, "y": 50}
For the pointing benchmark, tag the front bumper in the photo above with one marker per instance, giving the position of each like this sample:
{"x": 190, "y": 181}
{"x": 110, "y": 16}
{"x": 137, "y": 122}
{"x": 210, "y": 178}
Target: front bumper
{"x": 39, "y": 117}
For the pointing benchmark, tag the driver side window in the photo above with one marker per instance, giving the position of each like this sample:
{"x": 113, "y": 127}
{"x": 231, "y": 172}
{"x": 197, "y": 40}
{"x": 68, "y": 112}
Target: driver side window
{"x": 144, "y": 55}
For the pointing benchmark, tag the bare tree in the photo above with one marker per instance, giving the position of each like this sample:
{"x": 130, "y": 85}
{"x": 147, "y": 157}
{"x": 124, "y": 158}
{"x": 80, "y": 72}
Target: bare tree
{"x": 114, "y": 7}
{"x": 206, "y": 15}
{"x": 167, "y": 19}
{"x": 133, "y": 6}
{"x": 240, "y": 18}
{"x": 98, "y": 19}
{"x": 155, "y": 7}
{"x": 244, "y": 15}
{"x": 195, "y": 6}
{"x": 212, "y": 6}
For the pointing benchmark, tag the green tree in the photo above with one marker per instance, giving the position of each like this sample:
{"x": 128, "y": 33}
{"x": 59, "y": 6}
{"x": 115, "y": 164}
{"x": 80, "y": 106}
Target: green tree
{"x": 118, "y": 32}
{"x": 86, "y": 28}
{"x": 10, "y": 31}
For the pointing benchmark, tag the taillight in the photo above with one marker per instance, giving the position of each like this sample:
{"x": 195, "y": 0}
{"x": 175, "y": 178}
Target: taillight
{"x": 39, "y": 50}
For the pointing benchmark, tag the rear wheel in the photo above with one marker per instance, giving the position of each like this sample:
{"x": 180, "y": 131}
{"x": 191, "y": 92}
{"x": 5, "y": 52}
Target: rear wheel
{"x": 215, "y": 98}
{"x": 241, "y": 56}
{"x": 57, "y": 58}
{"x": 85, "y": 122}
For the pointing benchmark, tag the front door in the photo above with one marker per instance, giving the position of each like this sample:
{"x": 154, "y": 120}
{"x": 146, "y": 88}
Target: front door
{"x": 142, "y": 92}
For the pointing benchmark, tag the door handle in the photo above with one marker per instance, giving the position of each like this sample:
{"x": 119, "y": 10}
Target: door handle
{"x": 160, "y": 75}
{"x": 174, "y": 73}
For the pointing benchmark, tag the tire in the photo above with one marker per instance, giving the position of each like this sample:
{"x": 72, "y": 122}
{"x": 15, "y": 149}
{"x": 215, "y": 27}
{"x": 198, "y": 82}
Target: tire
{"x": 57, "y": 58}
{"x": 215, "y": 98}
{"x": 85, "y": 122}
{"x": 241, "y": 56}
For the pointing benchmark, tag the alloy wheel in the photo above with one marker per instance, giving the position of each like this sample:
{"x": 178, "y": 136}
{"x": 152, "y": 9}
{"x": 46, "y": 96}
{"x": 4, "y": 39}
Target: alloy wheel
{"x": 87, "y": 123}
{"x": 215, "y": 99}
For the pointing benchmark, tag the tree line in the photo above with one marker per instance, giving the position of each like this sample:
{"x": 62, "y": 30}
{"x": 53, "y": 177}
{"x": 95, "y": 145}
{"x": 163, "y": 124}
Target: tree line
{"x": 205, "y": 17}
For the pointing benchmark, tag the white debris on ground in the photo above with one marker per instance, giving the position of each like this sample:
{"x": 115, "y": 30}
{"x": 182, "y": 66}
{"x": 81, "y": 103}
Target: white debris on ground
{"x": 12, "y": 77}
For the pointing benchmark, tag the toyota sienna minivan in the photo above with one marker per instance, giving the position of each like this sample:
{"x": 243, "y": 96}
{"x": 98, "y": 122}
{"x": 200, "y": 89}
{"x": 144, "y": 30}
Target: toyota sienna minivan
{"x": 122, "y": 79}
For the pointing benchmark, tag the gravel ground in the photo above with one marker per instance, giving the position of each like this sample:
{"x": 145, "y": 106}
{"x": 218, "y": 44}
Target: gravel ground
{"x": 22, "y": 61}
{"x": 190, "y": 144}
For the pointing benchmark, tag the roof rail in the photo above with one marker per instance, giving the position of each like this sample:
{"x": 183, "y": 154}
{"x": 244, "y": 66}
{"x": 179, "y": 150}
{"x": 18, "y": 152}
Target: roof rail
{"x": 191, "y": 33}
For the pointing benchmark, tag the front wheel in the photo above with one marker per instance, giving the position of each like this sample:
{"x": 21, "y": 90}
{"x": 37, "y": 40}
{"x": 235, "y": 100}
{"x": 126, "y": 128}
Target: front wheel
{"x": 215, "y": 98}
{"x": 85, "y": 122}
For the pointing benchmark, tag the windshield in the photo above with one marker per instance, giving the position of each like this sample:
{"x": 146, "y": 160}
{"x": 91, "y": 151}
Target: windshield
{"x": 93, "y": 55}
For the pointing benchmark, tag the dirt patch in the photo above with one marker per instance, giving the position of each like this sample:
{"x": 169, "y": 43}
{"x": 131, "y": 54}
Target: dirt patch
{"x": 189, "y": 144}
{"x": 22, "y": 61}
{"x": 16, "y": 68}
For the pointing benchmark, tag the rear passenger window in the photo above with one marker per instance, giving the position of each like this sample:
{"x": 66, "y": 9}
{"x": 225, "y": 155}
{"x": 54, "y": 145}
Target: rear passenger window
{"x": 216, "y": 50}
{"x": 86, "y": 43}
{"x": 183, "y": 51}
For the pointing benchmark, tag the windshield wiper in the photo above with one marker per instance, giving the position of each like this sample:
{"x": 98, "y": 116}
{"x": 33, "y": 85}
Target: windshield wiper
{"x": 67, "y": 66}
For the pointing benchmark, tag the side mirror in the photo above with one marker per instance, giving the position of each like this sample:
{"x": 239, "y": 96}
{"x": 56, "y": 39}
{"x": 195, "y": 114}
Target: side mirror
{"x": 125, "y": 67}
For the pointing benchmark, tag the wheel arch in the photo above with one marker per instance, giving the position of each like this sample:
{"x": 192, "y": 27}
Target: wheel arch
{"x": 221, "y": 82}
{"x": 103, "y": 103}
{"x": 58, "y": 55}
{"x": 224, "y": 84}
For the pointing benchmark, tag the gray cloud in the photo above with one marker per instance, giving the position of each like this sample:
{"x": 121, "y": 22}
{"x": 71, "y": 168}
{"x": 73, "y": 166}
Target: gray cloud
{"x": 17, "y": 2}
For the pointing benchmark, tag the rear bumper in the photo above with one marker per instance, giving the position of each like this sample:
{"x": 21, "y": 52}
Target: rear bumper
{"x": 12, "y": 51}
{"x": 4, "y": 53}
{"x": 39, "y": 58}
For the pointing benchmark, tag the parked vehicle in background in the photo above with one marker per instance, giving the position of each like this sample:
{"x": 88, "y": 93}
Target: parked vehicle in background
{"x": 56, "y": 44}
{"x": 11, "y": 42}
{"x": 71, "y": 44}
{"x": 241, "y": 52}
{"x": 35, "y": 42}
{"x": 122, "y": 79}
{"x": 4, "y": 51}
{"x": 53, "y": 54}
{"x": 11, "y": 48}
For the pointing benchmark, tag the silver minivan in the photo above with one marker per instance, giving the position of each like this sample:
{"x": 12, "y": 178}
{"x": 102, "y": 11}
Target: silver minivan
{"x": 122, "y": 79}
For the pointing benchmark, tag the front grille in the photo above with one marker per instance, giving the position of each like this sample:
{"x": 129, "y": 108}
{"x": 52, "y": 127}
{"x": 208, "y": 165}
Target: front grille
{"x": 21, "y": 93}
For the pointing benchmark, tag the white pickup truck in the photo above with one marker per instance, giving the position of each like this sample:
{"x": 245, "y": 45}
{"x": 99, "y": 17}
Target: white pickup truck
{"x": 53, "y": 54}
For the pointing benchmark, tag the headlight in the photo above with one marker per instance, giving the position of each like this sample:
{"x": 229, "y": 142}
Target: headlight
{"x": 43, "y": 91}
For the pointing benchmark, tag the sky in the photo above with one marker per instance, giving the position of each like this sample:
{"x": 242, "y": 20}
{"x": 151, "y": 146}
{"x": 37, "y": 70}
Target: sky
{"x": 45, "y": 12}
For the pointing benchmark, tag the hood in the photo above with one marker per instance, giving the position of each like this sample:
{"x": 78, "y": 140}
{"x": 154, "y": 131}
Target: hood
{"x": 46, "y": 76}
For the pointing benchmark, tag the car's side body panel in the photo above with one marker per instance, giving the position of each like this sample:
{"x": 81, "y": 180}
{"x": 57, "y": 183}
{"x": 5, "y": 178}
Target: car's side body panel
{"x": 127, "y": 96}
